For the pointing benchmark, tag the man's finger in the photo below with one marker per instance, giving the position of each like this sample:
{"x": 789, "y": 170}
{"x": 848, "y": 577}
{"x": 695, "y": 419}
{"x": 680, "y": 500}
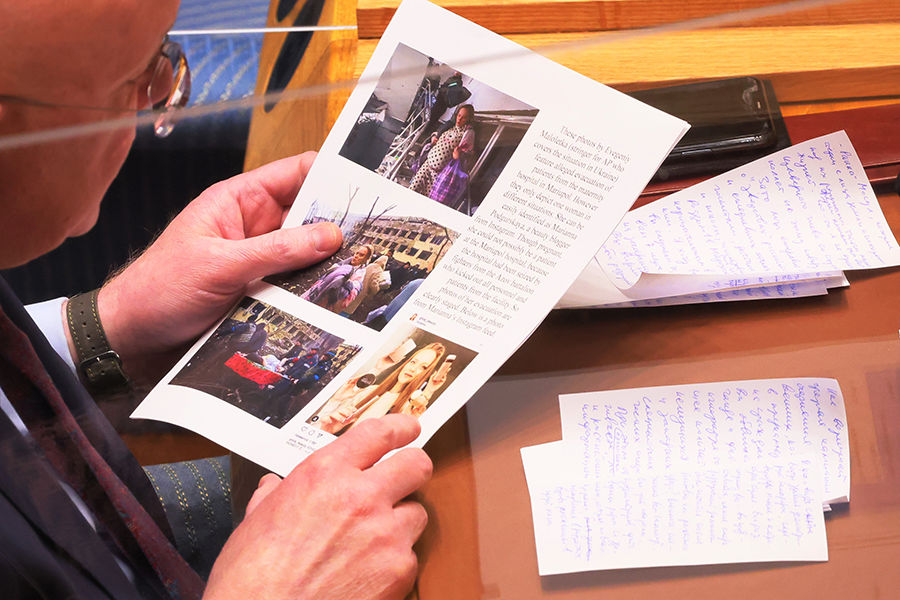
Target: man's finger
{"x": 267, "y": 485}
{"x": 412, "y": 518}
{"x": 401, "y": 474}
{"x": 366, "y": 443}
{"x": 283, "y": 250}
{"x": 256, "y": 202}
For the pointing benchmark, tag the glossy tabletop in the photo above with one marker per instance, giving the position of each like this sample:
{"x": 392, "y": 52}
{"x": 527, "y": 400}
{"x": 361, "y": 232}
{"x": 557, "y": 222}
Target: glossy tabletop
{"x": 480, "y": 541}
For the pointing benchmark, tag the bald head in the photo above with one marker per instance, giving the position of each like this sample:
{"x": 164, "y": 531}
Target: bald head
{"x": 92, "y": 53}
{"x": 87, "y": 44}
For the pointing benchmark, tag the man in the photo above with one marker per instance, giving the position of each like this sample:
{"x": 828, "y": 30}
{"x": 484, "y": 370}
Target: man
{"x": 255, "y": 343}
{"x": 297, "y": 350}
{"x": 339, "y": 525}
{"x": 292, "y": 370}
{"x": 247, "y": 337}
{"x": 299, "y": 377}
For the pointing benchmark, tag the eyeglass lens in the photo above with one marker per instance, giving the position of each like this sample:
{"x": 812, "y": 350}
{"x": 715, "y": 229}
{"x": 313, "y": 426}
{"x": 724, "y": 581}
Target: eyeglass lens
{"x": 170, "y": 86}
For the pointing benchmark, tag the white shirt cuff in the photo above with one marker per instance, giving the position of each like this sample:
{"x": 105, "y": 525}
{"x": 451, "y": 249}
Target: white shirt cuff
{"x": 49, "y": 318}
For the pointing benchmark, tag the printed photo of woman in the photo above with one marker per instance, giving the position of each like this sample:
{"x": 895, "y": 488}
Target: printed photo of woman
{"x": 408, "y": 374}
{"x": 391, "y": 396}
{"x": 456, "y": 144}
{"x": 385, "y": 248}
{"x": 437, "y": 131}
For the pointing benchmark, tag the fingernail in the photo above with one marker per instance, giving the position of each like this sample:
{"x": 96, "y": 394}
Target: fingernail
{"x": 324, "y": 237}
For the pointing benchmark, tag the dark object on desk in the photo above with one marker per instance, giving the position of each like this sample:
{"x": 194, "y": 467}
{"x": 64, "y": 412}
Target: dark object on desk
{"x": 872, "y": 130}
{"x": 733, "y": 121}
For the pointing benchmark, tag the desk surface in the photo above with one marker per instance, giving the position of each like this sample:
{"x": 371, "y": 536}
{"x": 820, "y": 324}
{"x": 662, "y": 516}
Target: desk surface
{"x": 479, "y": 499}
{"x": 480, "y": 544}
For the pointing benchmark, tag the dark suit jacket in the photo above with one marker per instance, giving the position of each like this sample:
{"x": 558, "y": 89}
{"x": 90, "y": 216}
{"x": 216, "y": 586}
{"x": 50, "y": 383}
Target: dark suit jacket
{"x": 47, "y": 548}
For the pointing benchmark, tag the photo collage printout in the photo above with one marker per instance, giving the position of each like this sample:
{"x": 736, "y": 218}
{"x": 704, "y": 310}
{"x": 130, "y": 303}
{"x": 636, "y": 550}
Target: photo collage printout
{"x": 472, "y": 181}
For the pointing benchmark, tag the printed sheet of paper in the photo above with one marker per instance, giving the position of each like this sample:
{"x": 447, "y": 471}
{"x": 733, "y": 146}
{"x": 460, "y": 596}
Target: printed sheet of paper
{"x": 805, "y": 209}
{"x": 457, "y": 244}
{"x": 658, "y": 429}
{"x": 753, "y": 512}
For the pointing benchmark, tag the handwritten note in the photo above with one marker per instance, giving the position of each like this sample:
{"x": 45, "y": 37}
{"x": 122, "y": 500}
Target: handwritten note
{"x": 800, "y": 289}
{"x": 654, "y": 430}
{"x": 594, "y": 288}
{"x": 806, "y": 208}
{"x": 740, "y": 513}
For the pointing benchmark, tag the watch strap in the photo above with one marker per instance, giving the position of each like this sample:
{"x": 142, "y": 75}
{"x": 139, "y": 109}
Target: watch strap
{"x": 97, "y": 362}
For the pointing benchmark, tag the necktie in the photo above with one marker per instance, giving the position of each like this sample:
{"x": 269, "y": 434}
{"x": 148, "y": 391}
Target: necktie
{"x": 35, "y": 397}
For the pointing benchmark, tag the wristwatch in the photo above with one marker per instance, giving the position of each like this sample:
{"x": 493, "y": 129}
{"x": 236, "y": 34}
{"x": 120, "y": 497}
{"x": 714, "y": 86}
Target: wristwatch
{"x": 100, "y": 365}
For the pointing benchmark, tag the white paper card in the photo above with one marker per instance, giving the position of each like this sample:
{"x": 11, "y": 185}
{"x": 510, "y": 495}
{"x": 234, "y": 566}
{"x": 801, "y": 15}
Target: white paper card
{"x": 754, "y": 512}
{"x": 792, "y": 289}
{"x": 658, "y": 429}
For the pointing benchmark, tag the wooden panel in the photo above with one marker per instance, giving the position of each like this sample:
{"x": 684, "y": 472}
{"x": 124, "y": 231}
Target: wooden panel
{"x": 849, "y": 334}
{"x": 792, "y": 110}
{"x": 847, "y": 62}
{"x": 294, "y": 126}
{"x": 151, "y": 448}
{"x": 548, "y": 16}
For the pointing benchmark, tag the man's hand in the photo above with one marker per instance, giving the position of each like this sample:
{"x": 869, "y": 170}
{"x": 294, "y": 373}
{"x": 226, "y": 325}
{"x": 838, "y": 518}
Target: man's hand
{"x": 268, "y": 484}
{"x": 337, "y": 527}
{"x": 202, "y": 262}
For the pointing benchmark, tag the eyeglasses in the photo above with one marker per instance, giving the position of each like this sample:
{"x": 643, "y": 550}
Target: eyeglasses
{"x": 170, "y": 86}
{"x": 169, "y": 89}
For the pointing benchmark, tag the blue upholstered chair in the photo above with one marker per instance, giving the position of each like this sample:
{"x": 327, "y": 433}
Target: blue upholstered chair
{"x": 197, "y": 498}
{"x": 197, "y": 494}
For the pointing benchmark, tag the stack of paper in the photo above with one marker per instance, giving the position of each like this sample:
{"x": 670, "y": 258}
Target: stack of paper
{"x": 783, "y": 226}
{"x": 690, "y": 474}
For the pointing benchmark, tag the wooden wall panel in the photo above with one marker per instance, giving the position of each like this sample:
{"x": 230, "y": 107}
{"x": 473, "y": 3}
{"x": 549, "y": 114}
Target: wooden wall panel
{"x": 806, "y": 64}
{"x": 551, "y": 16}
{"x": 299, "y": 125}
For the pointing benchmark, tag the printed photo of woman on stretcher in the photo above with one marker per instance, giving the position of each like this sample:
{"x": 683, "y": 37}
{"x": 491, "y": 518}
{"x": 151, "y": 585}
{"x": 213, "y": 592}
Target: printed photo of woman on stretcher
{"x": 387, "y": 254}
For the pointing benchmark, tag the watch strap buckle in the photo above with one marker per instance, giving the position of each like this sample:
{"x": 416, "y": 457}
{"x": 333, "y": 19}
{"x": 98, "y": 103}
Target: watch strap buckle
{"x": 104, "y": 370}
{"x": 100, "y": 365}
